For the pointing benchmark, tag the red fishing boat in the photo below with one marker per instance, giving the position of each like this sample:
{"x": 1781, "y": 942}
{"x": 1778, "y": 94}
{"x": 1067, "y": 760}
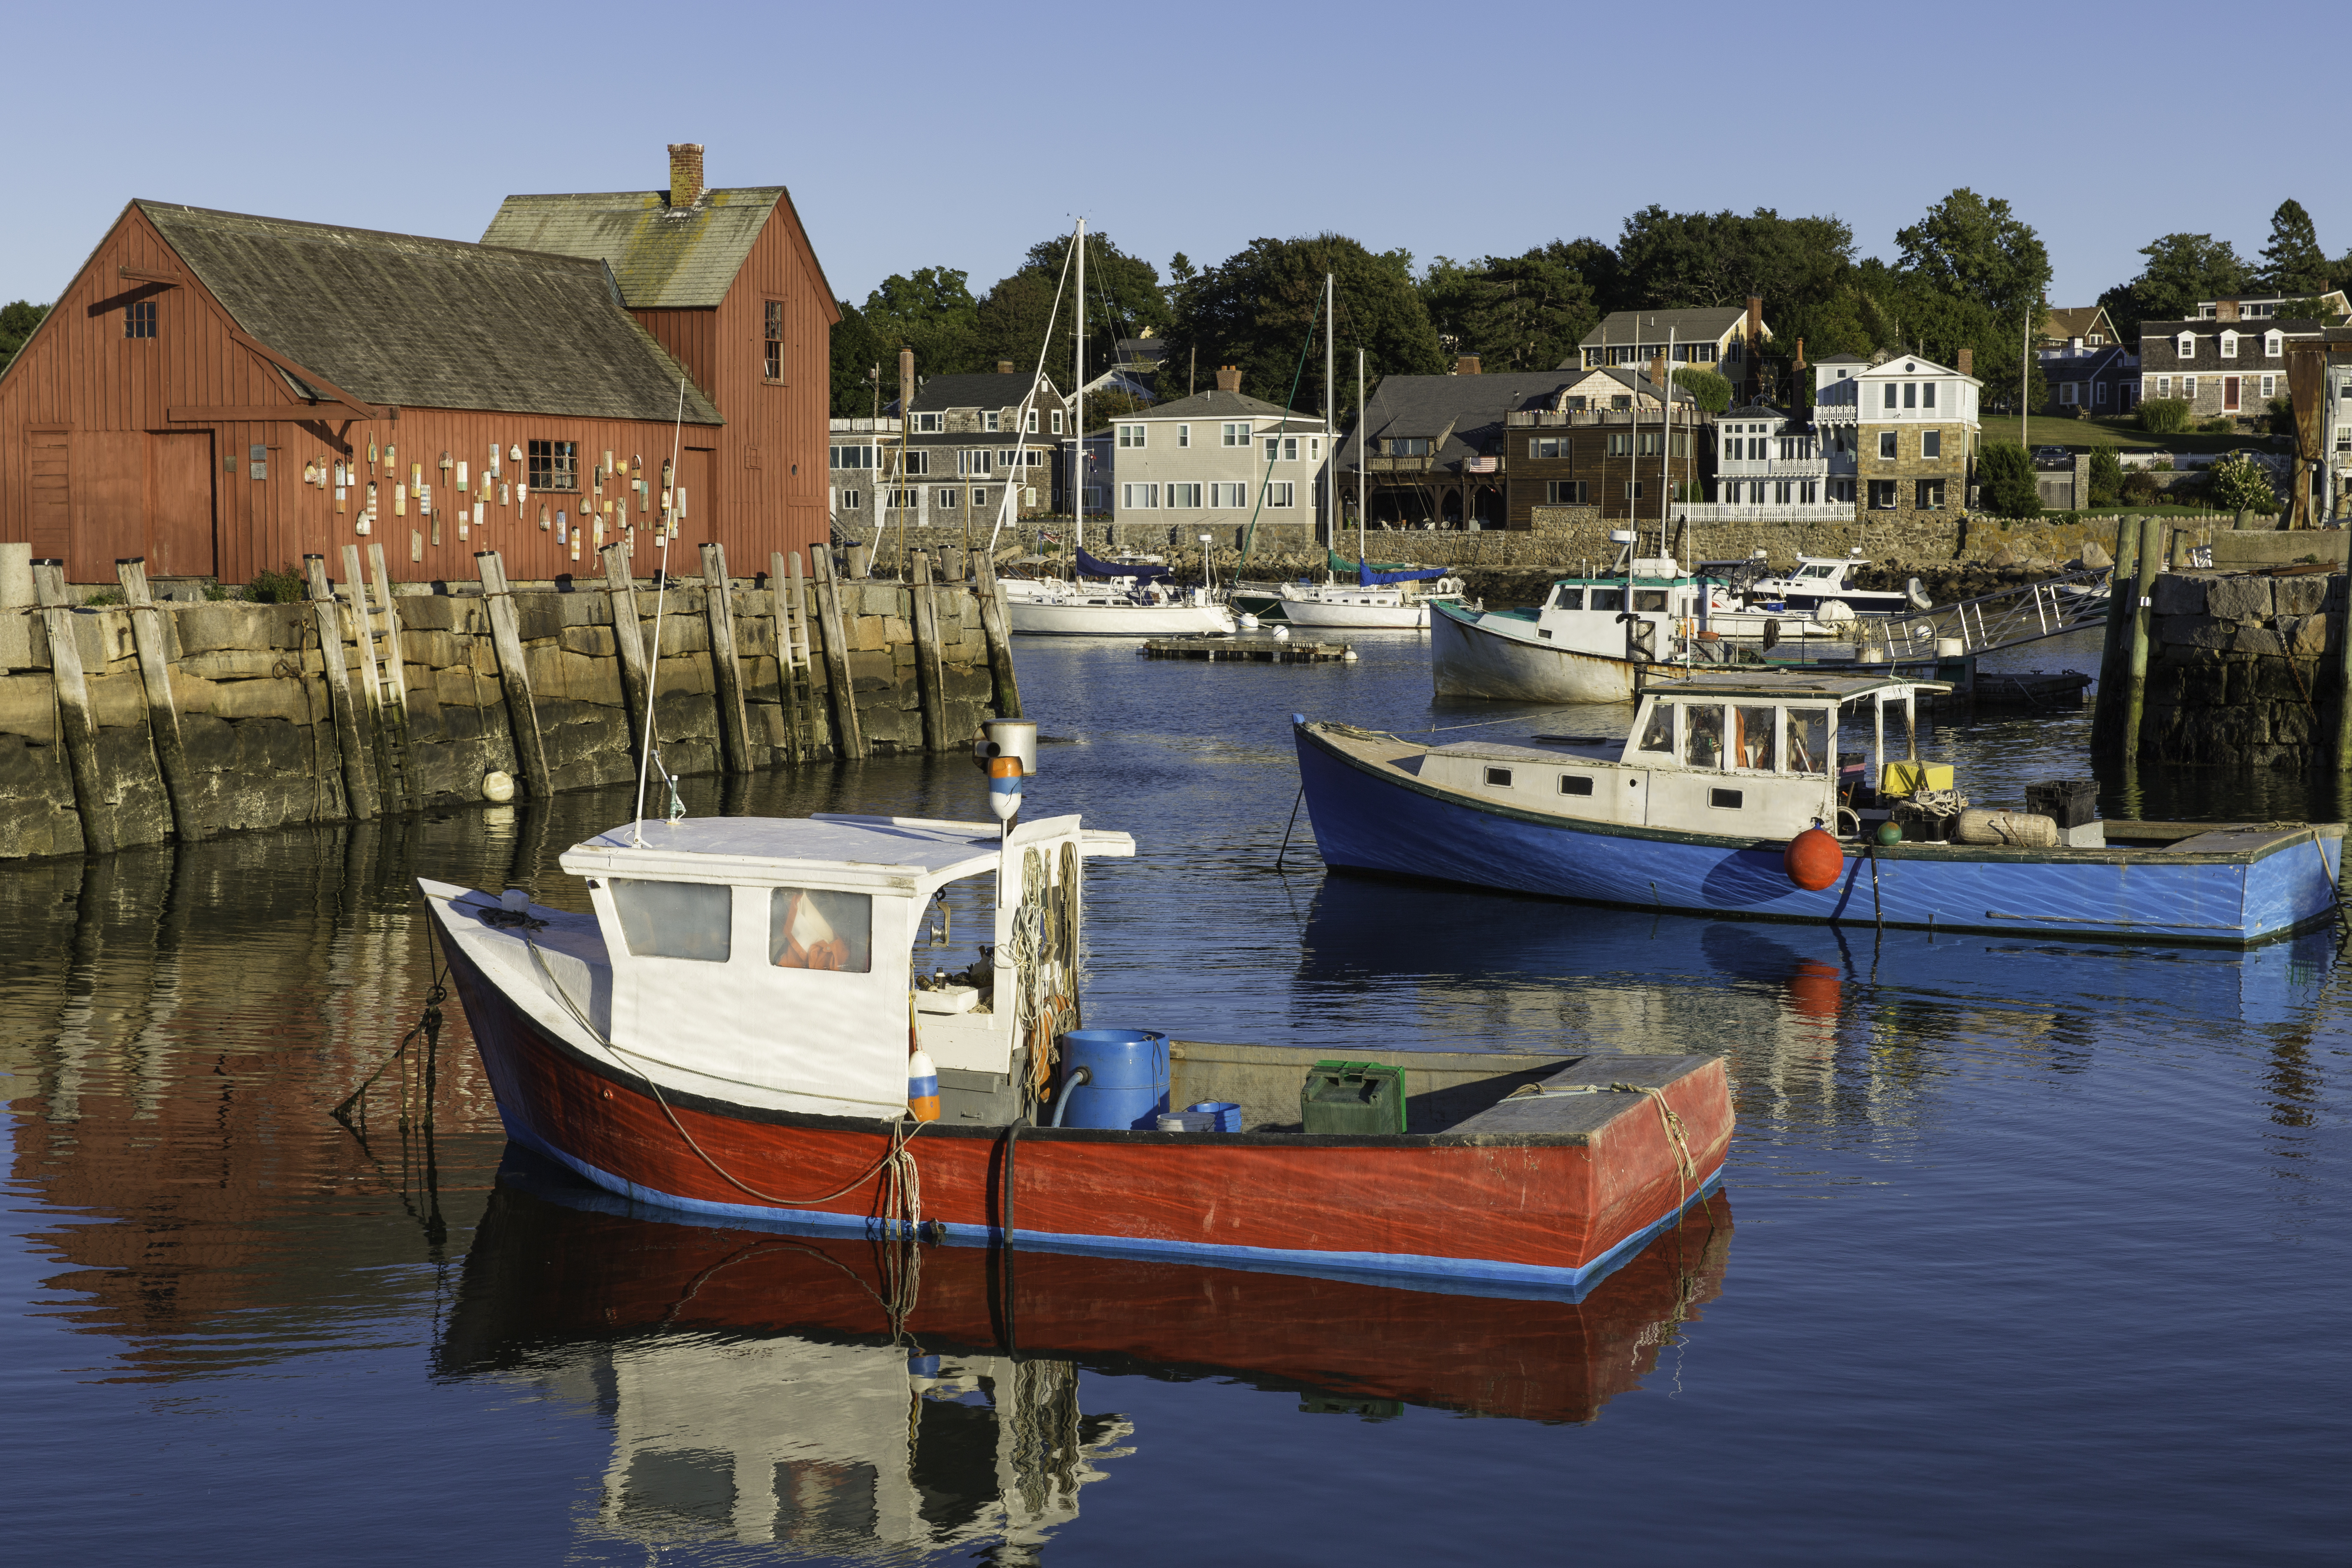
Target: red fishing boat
{"x": 739, "y": 1028}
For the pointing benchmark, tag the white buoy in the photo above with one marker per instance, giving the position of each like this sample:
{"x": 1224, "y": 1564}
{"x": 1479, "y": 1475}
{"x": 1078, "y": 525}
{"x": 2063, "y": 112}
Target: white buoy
{"x": 498, "y": 787}
{"x": 1282, "y": 633}
{"x": 1248, "y": 622}
{"x": 1348, "y": 657}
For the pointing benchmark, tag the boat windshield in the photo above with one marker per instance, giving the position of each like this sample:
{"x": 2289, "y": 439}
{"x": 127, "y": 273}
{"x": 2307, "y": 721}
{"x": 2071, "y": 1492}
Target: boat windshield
{"x": 1751, "y": 739}
{"x": 1607, "y": 599}
{"x": 1816, "y": 572}
{"x": 1809, "y": 740}
{"x": 1658, "y": 735}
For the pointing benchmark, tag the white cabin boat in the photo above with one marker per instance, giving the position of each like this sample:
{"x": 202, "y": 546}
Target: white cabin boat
{"x": 1051, "y": 607}
{"x": 1822, "y": 582}
{"x": 1396, "y": 606}
{"x": 1589, "y": 641}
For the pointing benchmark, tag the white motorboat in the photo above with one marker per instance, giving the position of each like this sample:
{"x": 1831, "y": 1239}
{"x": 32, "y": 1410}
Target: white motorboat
{"x": 1116, "y": 609}
{"x": 1822, "y": 581}
{"x": 1589, "y": 641}
{"x": 1396, "y": 606}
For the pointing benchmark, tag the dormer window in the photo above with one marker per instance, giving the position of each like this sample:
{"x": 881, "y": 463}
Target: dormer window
{"x": 2095, "y": 339}
{"x": 2273, "y": 344}
{"x": 988, "y": 418}
{"x": 928, "y": 424}
{"x": 2186, "y": 346}
{"x": 2229, "y": 345}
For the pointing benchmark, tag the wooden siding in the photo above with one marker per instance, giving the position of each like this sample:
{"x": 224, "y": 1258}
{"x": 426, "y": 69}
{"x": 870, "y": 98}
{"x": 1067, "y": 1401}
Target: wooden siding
{"x": 92, "y": 469}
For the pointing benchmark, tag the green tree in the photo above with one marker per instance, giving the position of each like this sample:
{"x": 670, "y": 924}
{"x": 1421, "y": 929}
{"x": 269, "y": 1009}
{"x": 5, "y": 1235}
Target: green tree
{"x": 932, "y": 312}
{"x": 2107, "y": 476}
{"x": 1669, "y": 260}
{"x": 2238, "y": 483}
{"x": 1262, "y": 307}
{"x": 1976, "y": 249}
{"x": 2181, "y": 269}
{"x": 18, "y": 320}
{"x": 2293, "y": 263}
{"x": 1708, "y": 390}
{"x": 2005, "y": 482}
{"x": 1514, "y": 312}
{"x": 2163, "y": 415}
{"x": 858, "y": 350}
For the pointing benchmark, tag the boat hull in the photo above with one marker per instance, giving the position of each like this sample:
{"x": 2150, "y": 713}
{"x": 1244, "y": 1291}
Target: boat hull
{"x": 1541, "y": 1215}
{"x": 1032, "y": 617}
{"x": 1383, "y": 820}
{"x": 1468, "y": 660}
{"x": 1358, "y": 617}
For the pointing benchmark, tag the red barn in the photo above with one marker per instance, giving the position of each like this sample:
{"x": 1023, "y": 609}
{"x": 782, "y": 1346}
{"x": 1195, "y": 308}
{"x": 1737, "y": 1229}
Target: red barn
{"x": 222, "y": 394}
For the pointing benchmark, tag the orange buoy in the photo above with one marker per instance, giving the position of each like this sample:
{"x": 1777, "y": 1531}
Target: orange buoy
{"x": 1813, "y": 859}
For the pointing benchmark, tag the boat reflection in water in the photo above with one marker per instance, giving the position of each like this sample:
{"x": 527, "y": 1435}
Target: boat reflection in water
{"x": 829, "y": 1396}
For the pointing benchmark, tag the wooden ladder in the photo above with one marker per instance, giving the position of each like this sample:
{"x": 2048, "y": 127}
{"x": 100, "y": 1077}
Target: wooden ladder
{"x": 383, "y": 677}
{"x": 804, "y": 731}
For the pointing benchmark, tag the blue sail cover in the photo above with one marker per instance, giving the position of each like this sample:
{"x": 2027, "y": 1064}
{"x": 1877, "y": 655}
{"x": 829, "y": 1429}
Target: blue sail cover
{"x": 1090, "y": 567}
{"x": 1368, "y": 578}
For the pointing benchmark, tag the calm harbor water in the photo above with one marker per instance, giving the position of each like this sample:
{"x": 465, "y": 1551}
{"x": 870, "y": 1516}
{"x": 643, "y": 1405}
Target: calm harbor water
{"x": 2026, "y": 1249}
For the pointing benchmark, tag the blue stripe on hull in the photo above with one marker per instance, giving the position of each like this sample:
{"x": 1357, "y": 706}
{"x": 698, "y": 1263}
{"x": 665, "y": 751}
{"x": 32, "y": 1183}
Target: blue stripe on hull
{"x": 1369, "y": 823}
{"x": 1471, "y": 1275}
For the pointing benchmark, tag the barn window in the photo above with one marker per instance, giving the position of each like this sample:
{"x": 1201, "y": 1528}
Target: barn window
{"x": 139, "y": 318}
{"x": 555, "y": 465}
{"x": 776, "y": 340}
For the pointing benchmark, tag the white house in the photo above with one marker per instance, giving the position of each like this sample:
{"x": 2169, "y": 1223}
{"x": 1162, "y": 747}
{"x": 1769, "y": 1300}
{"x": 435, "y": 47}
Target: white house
{"x": 1214, "y": 461}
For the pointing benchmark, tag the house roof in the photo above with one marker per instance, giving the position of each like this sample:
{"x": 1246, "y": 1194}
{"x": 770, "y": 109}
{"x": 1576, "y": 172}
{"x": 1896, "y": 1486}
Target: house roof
{"x": 1840, "y": 359}
{"x": 2079, "y": 321}
{"x": 1215, "y": 405}
{"x": 432, "y": 323}
{"x": 1463, "y": 414}
{"x": 1626, "y": 376}
{"x": 982, "y": 389}
{"x": 1704, "y": 324}
{"x": 662, "y": 258}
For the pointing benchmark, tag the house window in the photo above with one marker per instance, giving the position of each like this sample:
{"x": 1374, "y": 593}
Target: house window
{"x": 946, "y": 498}
{"x": 1931, "y": 496}
{"x": 1780, "y": 491}
{"x": 1138, "y": 497}
{"x": 1185, "y": 498}
{"x": 903, "y": 499}
{"x": 851, "y": 499}
{"x": 1621, "y": 400}
{"x": 2095, "y": 340}
{"x": 2099, "y": 394}
{"x": 555, "y": 465}
{"x": 1620, "y": 443}
{"x": 2185, "y": 345}
{"x": 1057, "y": 422}
{"x": 2270, "y": 386}
{"x": 1229, "y": 497}
{"x": 989, "y": 419}
{"x": 852, "y": 457}
{"x": 1131, "y": 435}
{"x": 1286, "y": 448}
{"x": 929, "y": 424}
{"x": 2164, "y": 386}
{"x": 917, "y": 463}
{"x": 1238, "y": 436}
{"x": 1890, "y": 395}
{"x": 973, "y": 462}
{"x": 1927, "y": 394}
{"x": 1547, "y": 446}
{"x": 1183, "y": 436}
{"x": 1564, "y": 492}
{"x": 1399, "y": 446}
{"x": 2273, "y": 344}
{"x": 1279, "y": 495}
{"x": 1652, "y": 443}
{"x": 1634, "y": 490}
{"x": 1315, "y": 448}
{"x": 1886, "y": 438}
{"x": 1881, "y": 495}
{"x": 979, "y": 497}
{"x": 2229, "y": 345}
{"x": 1029, "y": 422}
{"x": 776, "y": 340}
{"x": 1931, "y": 443}
{"x": 1910, "y": 394}
{"x": 139, "y": 318}
{"x": 2189, "y": 388}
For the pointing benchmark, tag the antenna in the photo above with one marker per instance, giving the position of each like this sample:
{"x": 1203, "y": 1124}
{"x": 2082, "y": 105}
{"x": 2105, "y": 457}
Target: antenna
{"x": 661, "y": 596}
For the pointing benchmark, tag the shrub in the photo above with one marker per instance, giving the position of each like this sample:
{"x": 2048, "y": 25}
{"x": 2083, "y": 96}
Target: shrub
{"x": 2163, "y": 416}
{"x": 2219, "y": 425}
{"x": 269, "y": 588}
{"x": 2139, "y": 489}
{"x": 2238, "y": 483}
{"x": 2281, "y": 411}
{"x": 105, "y": 596}
{"x": 217, "y": 592}
{"x": 1708, "y": 390}
{"x": 2005, "y": 481}
{"x": 2107, "y": 476}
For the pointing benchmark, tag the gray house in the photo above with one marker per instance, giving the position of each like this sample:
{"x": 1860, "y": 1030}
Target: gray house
{"x": 968, "y": 440}
{"x": 1210, "y": 463}
{"x": 2228, "y": 367}
{"x": 1434, "y": 446}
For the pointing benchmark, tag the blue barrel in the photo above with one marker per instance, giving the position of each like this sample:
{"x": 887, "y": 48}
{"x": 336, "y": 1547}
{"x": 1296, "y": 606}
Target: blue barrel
{"x": 1127, "y": 1077}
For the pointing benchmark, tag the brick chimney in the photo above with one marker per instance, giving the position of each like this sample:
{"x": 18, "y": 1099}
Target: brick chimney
{"x": 1466, "y": 364}
{"x": 1229, "y": 378}
{"x": 1967, "y": 365}
{"x": 1658, "y": 368}
{"x": 1755, "y": 325}
{"x": 906, "y": 386}
{"x": 2225, "y": 309}
{"x": 1800, "y": 355}
{"x": 685, "y": 173}
{"x": 1005, "y": 367}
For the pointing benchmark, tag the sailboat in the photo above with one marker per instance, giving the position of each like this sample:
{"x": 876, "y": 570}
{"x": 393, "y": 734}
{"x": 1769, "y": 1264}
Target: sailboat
{"x": 1122, "y": 601}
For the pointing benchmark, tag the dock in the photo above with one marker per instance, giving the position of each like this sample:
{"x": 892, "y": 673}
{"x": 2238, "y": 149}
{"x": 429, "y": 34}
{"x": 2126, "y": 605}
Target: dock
{"x": 1255, "y": 649}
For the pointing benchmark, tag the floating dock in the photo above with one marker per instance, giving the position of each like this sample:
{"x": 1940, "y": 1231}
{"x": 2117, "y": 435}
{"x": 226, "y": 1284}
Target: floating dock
{"x": 1257, "y": 649}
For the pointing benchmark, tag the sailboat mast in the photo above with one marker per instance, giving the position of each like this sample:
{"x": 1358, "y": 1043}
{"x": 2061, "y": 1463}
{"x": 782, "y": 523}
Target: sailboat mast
{"x": 1330, "y": 407}
{"x": 1667, "y": 443}
{"x": 1079, "y": 393}
{"x": 1361, "y": 420}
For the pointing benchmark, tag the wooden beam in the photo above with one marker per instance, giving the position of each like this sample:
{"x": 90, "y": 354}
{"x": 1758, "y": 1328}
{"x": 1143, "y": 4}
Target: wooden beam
{"x": 308, "y": 377}
{"x": 726, "y": 668}
{"x": 76, "y": 722}
{"x": 162, "y": 712}
{"x": 147, "y": 275}
{"x": 359, "y": 785}
{"x": 275, "y": 414}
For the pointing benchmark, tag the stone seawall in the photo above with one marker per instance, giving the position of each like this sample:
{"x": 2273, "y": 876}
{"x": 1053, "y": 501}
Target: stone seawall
{"x": 255, "y": 701}
{"x": 2243, "y": 669}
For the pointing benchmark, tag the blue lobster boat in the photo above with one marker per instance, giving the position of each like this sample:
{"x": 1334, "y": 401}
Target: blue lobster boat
{"x": 1700, "y": 809}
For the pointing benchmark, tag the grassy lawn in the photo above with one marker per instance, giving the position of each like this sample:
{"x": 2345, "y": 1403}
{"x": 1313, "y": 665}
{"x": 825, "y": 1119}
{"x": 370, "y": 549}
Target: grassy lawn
{"x": 2082, "y": 435}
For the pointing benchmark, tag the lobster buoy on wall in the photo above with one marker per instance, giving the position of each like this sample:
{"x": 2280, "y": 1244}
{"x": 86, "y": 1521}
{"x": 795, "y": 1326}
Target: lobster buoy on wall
{"x": 1813, "y": 859}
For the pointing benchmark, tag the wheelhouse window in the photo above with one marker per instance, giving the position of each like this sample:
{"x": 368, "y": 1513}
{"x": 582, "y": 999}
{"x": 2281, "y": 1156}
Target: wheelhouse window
{"x": 139, "y": 318}
{"x": 1809, "y": 740}
{"x": 555, "y": 465}
{"x": 1576, "y": 783}
{"x": 1703, "y": 736}
{"x": 1658, "y": 734}
{"x": 1751, "y": 739}
{"x": 1610, "y": 599}
{"x": 809, "y": 928}
{"x": 675, "y": 920}
{"x": 1499, "y": 778}
{"x": 775, "y": 340}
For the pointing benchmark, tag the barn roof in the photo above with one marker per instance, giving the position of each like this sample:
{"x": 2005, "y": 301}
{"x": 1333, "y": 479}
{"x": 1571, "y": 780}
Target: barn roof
{"x": 663, "y": 258}
{"x": 432, "y": 324}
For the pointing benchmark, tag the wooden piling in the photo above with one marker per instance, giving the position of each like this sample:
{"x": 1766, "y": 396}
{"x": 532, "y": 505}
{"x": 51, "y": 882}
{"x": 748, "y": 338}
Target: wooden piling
{"x": 996, "y": 628}
{"x": 162, "y": 711}
{"x": 75, "y": 723}
{"x": 2151, "y": 552}
{"x": 726, "y": 670}
{"x": 370, "y": 672}
{"x": 514, "y": 676}
{"x": 861, "y": 561}
{"x": 394, "y": 708}
{"x": 787, "y": 609}
{"x": 2343, "y": 678}
{"x": 2106, "y": 717}
{"x": 849, "y": 738}
{"x": 628, "y": 644}
{"x": 359, "y": 780}
{"x": 930, "y": 678}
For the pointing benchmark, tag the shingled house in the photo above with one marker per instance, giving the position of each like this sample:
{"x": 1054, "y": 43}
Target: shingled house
{"x": 223, "y": 394}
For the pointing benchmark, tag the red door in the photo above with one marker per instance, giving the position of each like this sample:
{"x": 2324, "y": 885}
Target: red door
{"x": 180, "y": 504}
{"x": 2230, "y": 394}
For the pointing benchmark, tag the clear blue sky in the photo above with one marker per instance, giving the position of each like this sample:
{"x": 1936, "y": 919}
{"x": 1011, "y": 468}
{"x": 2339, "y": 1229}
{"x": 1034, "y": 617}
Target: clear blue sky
{"x": 920, "y": 134}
